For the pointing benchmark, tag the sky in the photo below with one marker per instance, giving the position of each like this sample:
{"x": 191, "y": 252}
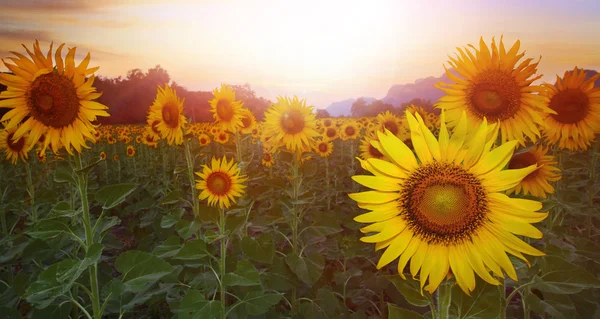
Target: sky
{"x": 321, "y": 50}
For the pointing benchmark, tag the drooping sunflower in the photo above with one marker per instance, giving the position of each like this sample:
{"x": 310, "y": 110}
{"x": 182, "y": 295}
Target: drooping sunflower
{"x": 389, "y": 121}
{"x": 203, "y": 139}
{"x": 248, "y": 122}
{"x": 349, "y": 131}
{"x": 130, "y": 151}
{"x": 491, "y": 85}
{"x": 14, "y": 148}
{"x": 227, "y": 111}
{"x": 324, "y": 148}
{"x": 367, "y": 150}
{"x": 443, "y": 207}
{"x": 167, "y": 109}
{"x": 537, "y": 183}
{"x": 577, "y": 105}
{"x": 291, "y": 123}
{"x": 57, "y": 100}
{"x": 220, "y": 183}
{"x": 267, "y": 159}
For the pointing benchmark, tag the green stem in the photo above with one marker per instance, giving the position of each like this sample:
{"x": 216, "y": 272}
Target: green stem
{"x": 31, "y": 191}
{"x": 444, "y": 299}
{"x": 591, "y": 194}
{"x": 327, "y": 192}
{"x": 295, "y": 219}
{"x": 82, "y": 180}
{"x": 164, "y": 165}
{"x": 223, "y": 259}
{"x": 190, "y": 168}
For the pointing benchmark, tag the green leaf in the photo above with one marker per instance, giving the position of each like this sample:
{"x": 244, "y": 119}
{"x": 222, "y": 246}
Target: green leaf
{"x": 172, "y": 198}
{"x": 308, "y": 269}
{"x": 89, "y": 167}
{"x": 49, "y": 228}
{"x": 186, "y": 229}
{"x": 141, "y": 269}
{"x": 562, "y": 277}
{"x": 64, "y": 174}
{"x": 483, "y": 302}
{"x": 113, "y": 195}
{"x": 258, "y": 302}
{"x": 192, "y": 250}
{"x": 395, "y": 312}
{"x": 62, "y": 209}
{"x": 245, "y": 275}
{"x": 279, "y": 277}
{"x": 261, "y": 249}
{"x": 556, "y": 305}
{"x": 193, "y": 305}
{"x": 410, "y": 290}
{"x": 168, "y": 248}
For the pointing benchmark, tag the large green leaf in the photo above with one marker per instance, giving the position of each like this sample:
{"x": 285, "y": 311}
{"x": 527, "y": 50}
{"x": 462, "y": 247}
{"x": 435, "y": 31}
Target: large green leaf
{"x": 245, "y": 274}
{"x": 49, "y": 228}
{"x": 410, "y": 290}
{"x": 258, "y": 302}
{"x": 192, "y": 250}
{"x": 113, "y": 195}
{"x": 140, "y": 269}
{"x": 261, "y": 249}
{"x": 395, "y": 312}
{"x": 556, "y": 305}
{"x": 483, "y": 302}
{"x": 168, "y": 248}
{"x": 562, "y": 277}
{"x": 194, "y": 306}
{"x": 308, "y": 269}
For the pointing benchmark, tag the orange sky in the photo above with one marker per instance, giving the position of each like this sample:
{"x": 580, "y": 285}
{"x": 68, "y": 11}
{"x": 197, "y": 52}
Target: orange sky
{"x": 324, "y": 51}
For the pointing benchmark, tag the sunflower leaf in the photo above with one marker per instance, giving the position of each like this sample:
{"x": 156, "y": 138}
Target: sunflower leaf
{"x": 261, "y": 249}
{"x": 395, "y": 312}
{"x": 140, "y": 269}
{"x": 308, "y": 269}
{"x": 113, "y": 195}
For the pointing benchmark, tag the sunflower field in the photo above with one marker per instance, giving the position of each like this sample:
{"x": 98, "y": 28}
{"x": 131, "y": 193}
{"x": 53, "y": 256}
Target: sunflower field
{"x": 487, "y": 208}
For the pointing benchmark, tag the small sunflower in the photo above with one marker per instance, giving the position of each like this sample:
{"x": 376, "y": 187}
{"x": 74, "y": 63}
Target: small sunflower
{"x": 220, "y": 183}
{"x": 324, "y": 148}
{"x": 492, "y": 86}
{"x": 267, "y": 159}
{"x": 390, "y": 122}
{"x": 103, "y": 156}
{"x": 56, "y": 100}
{"x": 227, "y": 111}
{"x": 330, "y": 133}
{"x": 537, "y": 182}
{"x": 167, "y": 109}
{"x": 248, "y": 122}
{"x": 349, "y": 131}
{"x": 576, "y": 103}
{"x": 14, "y": 148}
{"x": 203, "y": 139}
{"x": 116, "y": 158}
{"x": 130, "y": 151}
{"x": 222, "y": 137}
{"x": 367, "y": 150}
{"x": 443, "y": 207}
{"x": 291, "y": 123}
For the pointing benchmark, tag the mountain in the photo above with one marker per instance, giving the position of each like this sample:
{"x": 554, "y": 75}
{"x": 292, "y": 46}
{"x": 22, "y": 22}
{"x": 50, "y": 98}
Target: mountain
{"x": 421, "y": 88}
{"x": 343, "y": 107}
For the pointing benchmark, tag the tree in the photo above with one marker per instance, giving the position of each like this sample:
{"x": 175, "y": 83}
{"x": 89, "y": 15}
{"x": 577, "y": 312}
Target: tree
{"x": 322, "y": 113}
{"x": 358, "y": 107}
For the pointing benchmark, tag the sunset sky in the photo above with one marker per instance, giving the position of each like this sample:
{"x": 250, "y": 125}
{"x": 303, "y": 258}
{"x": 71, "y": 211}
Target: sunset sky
{"x": 321, "y": 50}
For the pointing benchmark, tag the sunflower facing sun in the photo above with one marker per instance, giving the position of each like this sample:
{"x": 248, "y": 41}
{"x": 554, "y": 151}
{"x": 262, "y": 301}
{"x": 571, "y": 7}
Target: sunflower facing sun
{"x": 577, "y": 105}
{"x": 490, "y": 85}
{"x": 443, "y": 207}
{"x": 166, "y": 115}
{"x": 537, "y": 183}
{"x": 14, "y": 149}
{"x": 55, "y": 99}
{"x": 227, "y": 111}
{"x": 220, "y": 183}
{"x": 292, "y": 124}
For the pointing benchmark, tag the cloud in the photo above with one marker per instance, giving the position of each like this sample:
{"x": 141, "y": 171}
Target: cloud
{"x": 16, "y": 35}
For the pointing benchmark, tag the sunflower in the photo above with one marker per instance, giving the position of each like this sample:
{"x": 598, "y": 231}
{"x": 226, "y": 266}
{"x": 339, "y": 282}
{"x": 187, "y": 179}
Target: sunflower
{"x": 367, "y": 150}
{"x": 537, "y": 182}
{"x": 390, "y": 122}
{"x": 167, "y": 109}
{"x": 577, "y": 105}
{"x": 227, "y": 111}
{"x": 220, "y": 183}
{"x": 14, "y": 148}
{"x": 330, "y": 133}
{"x": 222, "y": 137}
{"x": 41, "y": 156}
{"x": 412, "y": 109}
{"x": 327, "y": 122}
{"x": 291, "y": 123}
{"x": 267, "y": 159}
{"x": 56, "y": 99}
{"x": 115, "y": 157}
{"x": 349, "y": 131}
{"x": 138, "y": 139}
{"x": 444, "y": 208}
{"x": 203, "y": 139}
{"x": 130, "y": 151}
{"x": 492, "y": 86}
{"x": 103, "y": 156}
{"x": 324, "y": 148}
{"x": 248, "y": 122}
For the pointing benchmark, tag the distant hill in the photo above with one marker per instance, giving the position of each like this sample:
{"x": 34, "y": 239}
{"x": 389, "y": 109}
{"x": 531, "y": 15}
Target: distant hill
{"x": 343, "y": 107}
{"x": 420, "y": 89}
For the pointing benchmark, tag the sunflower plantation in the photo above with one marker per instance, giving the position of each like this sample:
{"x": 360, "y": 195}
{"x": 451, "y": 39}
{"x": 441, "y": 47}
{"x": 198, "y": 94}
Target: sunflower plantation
{"x": 485, "y": 208}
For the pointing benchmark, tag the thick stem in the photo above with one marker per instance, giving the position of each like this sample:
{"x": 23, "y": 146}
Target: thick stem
{"x": 223, "y": 259}
{"x": 444, "y": 299}
{"x": 190, "y": 169}
{"x": 31, "y": 191}
{"x": 591, "y": 194}
{"x": 89, "y": 236}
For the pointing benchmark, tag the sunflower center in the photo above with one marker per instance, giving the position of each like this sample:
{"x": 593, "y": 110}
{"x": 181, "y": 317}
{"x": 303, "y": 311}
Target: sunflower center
{"x": 203, "y": 141}
{"x": 218, "y": 183}
{"x": 53, "y": 101}
{"x": 350, "y": 131}
{"x": 495, "y": 95}
{"x": 246, "y": 122}
{"x": 523, "y": 160}
{"x": 327, "y": 123}
{"x": 15, "y": 146}
{"x": 293, "y": 122}
{"x": 571, "y": 106}
{"x": 267, "y": 157}
{"x": 391, "y": 126}
{"x": 170, "y": 114}
{"x": 225, "y": 110}
{"x": 323, "y": 147}
{"x": 443, "y": 202}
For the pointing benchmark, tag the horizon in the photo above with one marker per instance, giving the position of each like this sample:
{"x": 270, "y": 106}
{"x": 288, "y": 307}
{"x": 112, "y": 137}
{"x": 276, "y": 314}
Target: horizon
{"x": 340, "y": 51}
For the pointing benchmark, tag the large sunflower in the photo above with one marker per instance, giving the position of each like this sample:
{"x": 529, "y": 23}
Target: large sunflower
{"x": 167, "y": 109}
{"x": 220, "y": 183}
{"x": 57, "y": 100}
{"x": 14, "y": 149}
{"x": 537, "y": 182}
{"x": 248, "y": 122}
{"x": 291, "y": 123}
{"x": 492, "y": 86}
{"x": 577, "y": 105}
{"x": 444, "y": 209}
{"x": 227, "y": 111}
